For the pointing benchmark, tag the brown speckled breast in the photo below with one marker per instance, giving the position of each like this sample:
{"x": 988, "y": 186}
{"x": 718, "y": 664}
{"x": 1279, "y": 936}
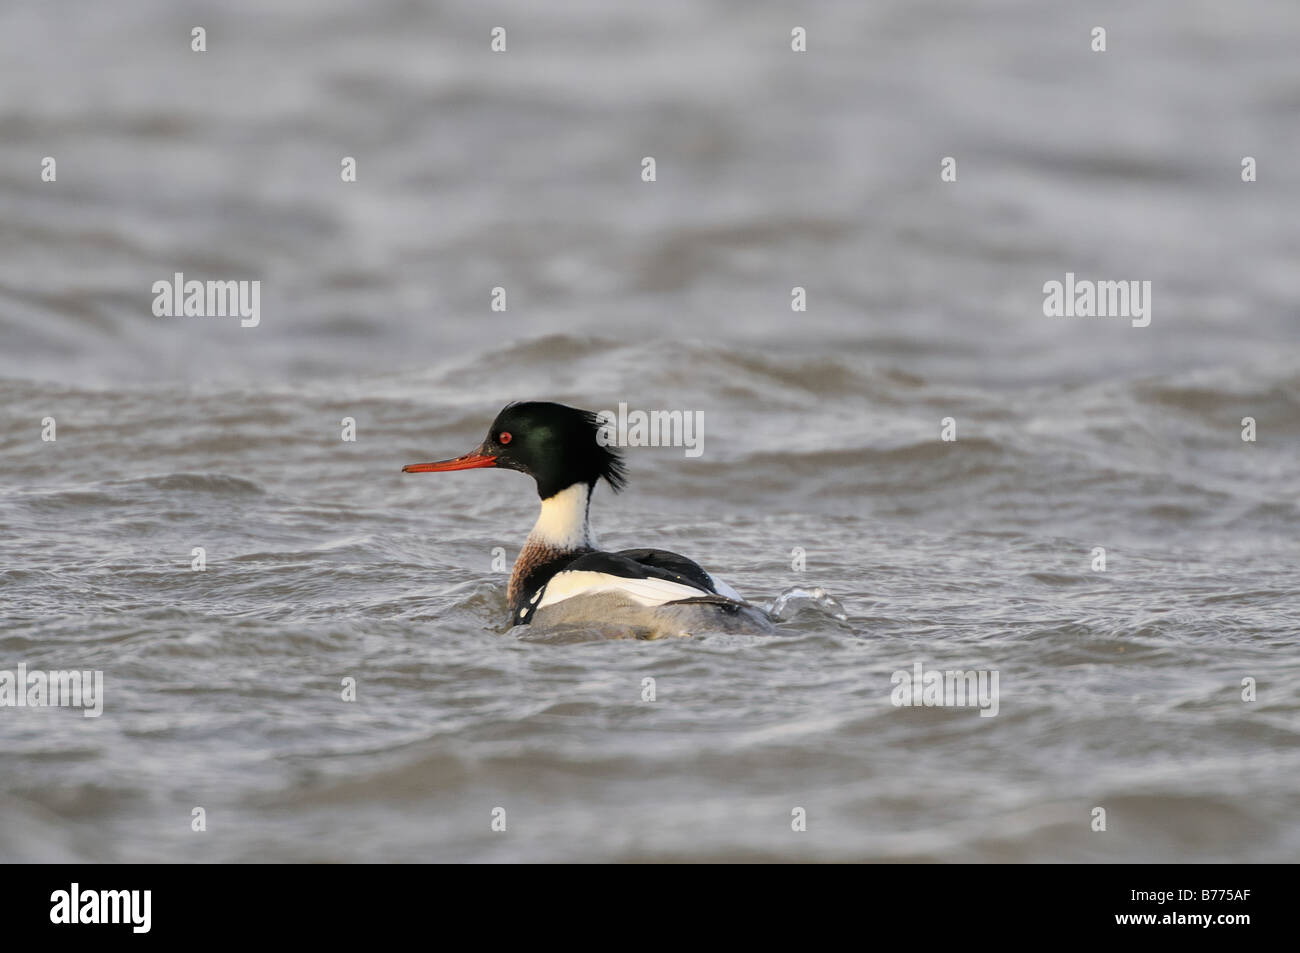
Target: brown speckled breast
{"x": 537, "y": 562}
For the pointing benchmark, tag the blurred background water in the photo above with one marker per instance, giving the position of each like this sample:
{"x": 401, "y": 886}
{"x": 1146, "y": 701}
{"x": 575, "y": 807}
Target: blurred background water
{"x": 775, "y": 169}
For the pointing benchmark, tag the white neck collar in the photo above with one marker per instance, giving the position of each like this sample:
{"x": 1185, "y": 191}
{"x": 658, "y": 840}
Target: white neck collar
{"x": 562, "y": 524}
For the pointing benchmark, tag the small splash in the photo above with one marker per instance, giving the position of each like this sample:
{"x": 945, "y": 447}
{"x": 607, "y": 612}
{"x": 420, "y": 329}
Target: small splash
{"x": 797, "y": 599}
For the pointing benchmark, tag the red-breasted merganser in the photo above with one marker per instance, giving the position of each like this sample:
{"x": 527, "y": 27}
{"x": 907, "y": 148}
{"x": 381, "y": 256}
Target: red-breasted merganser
{"x": 560, "y": 575}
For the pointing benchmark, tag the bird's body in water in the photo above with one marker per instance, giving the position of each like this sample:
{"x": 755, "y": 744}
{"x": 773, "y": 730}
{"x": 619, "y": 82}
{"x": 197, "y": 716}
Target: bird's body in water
{"x": 562, "y": 578}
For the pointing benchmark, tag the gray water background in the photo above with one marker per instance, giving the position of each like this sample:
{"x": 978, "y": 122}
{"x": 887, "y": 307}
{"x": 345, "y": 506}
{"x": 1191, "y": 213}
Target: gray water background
{"x": 1119, "y": 689}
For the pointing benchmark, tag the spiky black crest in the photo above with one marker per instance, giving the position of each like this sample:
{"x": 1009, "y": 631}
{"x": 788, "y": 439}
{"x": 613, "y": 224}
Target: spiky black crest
{"x": 610, "y": 459}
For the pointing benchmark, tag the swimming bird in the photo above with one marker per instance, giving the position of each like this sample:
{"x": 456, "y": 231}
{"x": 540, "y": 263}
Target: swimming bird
{"x": 561, "y": 576}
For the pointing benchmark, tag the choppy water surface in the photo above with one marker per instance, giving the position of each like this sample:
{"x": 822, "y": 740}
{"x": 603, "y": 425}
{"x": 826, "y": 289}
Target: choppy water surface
{"x": 1119, "y": 689}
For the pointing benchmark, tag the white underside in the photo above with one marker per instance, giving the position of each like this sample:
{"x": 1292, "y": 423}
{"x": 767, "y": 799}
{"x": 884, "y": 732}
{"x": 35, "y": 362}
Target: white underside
{"x": 612, "y": 615}
{"x": 646, "y": 592}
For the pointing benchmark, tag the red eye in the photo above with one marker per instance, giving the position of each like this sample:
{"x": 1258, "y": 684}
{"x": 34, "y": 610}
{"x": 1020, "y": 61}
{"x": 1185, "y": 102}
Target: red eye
{"x": 504, "y": 437}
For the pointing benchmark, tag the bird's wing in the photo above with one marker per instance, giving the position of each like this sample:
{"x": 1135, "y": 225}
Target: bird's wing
{"x": 651, "y": 577}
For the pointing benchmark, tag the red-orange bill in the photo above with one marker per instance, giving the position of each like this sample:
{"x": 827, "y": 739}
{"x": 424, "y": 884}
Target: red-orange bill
{"x": 470, "y": 461}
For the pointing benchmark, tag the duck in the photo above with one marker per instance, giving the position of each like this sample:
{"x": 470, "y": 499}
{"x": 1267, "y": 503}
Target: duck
{"x": 562, "y": 578}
